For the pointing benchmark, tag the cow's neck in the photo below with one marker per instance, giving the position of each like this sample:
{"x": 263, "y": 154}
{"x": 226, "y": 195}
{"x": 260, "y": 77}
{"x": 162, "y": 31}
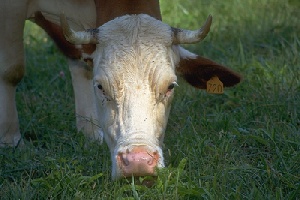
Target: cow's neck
{"x": 110, "y": 9}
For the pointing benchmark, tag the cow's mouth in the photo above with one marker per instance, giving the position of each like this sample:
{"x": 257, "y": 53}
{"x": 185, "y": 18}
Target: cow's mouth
{"x": 147, "y": 181}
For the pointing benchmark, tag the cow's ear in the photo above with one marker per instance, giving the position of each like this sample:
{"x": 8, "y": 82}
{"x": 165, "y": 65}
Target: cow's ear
{"x": 197, "y": 71}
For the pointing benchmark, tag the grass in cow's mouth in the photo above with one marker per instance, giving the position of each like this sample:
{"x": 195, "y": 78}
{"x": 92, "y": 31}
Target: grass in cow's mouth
{"x": 244, "y": 144}
{"x": 147, "y": 181}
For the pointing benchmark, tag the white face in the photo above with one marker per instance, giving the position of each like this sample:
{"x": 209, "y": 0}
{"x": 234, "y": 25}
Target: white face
{"x": 134, "y": 77}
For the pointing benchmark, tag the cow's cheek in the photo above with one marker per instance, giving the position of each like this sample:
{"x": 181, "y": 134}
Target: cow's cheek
{"x": 107, "y": 121}
{"x": 116, "y": 170}
{"x": 111, "y": 137}
{"x": 162, "y": 115}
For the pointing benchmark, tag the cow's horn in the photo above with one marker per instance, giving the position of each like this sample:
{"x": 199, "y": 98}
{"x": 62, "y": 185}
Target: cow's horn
{"x": 181, "y": 36}
{"x": 81, "y": 37}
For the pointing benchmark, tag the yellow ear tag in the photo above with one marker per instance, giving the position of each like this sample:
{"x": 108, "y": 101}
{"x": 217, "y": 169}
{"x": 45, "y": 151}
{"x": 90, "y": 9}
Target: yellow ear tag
{"x": 215, "y": 86}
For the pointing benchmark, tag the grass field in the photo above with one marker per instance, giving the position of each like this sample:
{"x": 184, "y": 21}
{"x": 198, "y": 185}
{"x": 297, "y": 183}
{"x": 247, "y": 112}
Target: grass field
{"x": 244, "y": 144}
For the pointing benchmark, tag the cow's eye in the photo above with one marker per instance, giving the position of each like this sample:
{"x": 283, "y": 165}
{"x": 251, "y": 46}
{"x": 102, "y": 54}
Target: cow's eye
{"x": 99, "y": 86}
{"x": 172, "y": 85}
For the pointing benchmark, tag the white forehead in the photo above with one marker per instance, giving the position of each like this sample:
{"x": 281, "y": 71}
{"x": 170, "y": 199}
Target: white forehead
{"x": 134, "y": 48}
{"x": 130, "y": 29}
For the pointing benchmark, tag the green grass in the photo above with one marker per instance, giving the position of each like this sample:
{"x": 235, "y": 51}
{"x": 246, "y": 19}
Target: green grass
{"x": 244, "y": 144}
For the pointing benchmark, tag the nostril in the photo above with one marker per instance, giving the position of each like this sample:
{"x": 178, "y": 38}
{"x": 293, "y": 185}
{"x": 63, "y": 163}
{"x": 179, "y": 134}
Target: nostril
{"x": 150, "y": 161}
{"x": 153, "y": 158}
{"x": 123, "y": 158}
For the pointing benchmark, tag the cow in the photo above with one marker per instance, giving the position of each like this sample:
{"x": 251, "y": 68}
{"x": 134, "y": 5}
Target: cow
{"x": 124, "y": 63}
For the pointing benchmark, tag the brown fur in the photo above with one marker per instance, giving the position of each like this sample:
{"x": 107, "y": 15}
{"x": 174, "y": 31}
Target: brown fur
{"x": 55, "y": 32}
{"x": 198, "y": 71}
{"x": 110, "y": 9}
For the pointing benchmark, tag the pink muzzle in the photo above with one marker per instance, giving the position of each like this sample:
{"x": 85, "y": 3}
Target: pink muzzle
{"x": 137, "y": 162}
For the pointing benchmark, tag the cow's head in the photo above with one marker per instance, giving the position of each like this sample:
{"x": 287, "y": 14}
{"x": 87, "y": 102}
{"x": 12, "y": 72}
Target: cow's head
{"x": 135, "y": 66}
